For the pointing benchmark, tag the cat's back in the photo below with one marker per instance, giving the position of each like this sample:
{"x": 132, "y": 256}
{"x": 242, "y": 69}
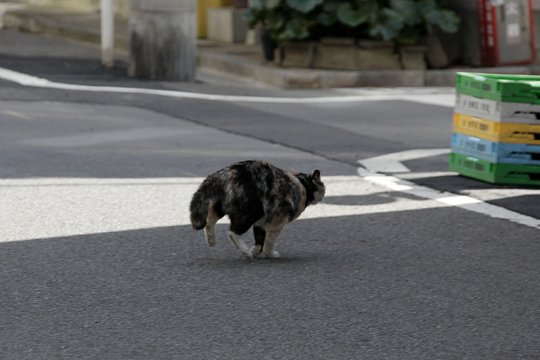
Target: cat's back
{"x": 256, "y": 172}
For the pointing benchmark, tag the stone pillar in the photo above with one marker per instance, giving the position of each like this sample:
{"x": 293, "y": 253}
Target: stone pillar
{"x": 162, "y": 40}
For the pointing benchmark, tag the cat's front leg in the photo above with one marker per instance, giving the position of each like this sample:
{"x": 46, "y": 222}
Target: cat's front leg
{"x": 259, "y": 234}
{"x": 255, "y": 251}
{"x": 239, "y": 244}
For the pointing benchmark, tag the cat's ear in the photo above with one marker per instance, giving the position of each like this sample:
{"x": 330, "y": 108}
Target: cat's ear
{"x": 316, "y": 176}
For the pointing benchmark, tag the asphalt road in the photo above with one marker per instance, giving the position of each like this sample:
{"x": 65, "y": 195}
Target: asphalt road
{"x": 98, "y": 261}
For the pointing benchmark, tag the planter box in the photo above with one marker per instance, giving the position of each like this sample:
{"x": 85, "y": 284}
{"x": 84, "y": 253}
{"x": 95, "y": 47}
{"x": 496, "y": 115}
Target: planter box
{"x": 296, "y": 54}
{"x": 413, "y": 57}
{"x": 240, "y": 3}
{"x": 436, "y": 56}
{"x": 336, "y": 53}
{"x": 346, "y": 54}
{"x": 227, "y": 24}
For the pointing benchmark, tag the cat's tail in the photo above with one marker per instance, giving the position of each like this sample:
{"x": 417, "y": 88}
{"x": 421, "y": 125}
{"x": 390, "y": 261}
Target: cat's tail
{"x": 210, "y": 193}
{"x": 198, "y": 209}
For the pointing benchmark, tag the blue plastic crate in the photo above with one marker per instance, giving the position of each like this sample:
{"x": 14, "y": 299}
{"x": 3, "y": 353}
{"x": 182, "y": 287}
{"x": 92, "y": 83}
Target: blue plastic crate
{"x": 496, "y": 152}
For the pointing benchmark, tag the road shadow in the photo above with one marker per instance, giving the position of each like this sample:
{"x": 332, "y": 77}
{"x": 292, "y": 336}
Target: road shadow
{"x": 66, "y": 68}
{"x": 370, "y": 199}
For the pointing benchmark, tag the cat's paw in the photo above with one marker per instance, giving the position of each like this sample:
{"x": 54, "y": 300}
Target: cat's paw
{"x": 272, "y": 255}
{"x": 255, "y": 251}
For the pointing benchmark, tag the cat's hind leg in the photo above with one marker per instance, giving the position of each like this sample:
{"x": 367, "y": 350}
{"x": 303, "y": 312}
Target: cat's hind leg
{"x": 239, "y": 225}
{"x": 210, "y": 234}
{"x": 209, "y": 228}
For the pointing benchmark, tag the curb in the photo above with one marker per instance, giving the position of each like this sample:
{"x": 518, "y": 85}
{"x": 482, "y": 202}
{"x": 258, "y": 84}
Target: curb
{"x": 317, "y": 79}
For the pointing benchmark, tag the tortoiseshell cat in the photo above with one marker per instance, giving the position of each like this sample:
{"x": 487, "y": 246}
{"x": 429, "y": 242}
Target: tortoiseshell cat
{"x": 253, "y": 193}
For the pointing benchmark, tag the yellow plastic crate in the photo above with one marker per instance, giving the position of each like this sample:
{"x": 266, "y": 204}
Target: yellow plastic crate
{"x": 496, "y": 131}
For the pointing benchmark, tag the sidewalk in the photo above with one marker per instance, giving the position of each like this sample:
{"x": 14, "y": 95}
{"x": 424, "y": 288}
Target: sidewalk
{"x": 237, "y": 61}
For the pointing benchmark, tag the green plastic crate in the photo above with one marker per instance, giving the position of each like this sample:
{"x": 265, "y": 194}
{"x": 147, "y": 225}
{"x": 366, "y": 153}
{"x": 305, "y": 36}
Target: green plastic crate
{"x": 508, "y": 88}
{"x": 496, "y": 173}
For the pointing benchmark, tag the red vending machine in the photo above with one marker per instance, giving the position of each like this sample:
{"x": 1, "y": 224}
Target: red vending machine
{"x": 496, "y": 32}
{"x": 506, "y": 30}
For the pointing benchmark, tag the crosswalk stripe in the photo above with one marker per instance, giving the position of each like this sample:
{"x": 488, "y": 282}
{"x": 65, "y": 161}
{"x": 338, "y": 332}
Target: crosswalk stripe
{"x": 449, "y": 199}
{"x": 54, "y": 207}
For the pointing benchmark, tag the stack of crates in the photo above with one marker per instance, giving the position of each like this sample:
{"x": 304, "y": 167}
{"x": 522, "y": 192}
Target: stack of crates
{"x": 496, "y": 134}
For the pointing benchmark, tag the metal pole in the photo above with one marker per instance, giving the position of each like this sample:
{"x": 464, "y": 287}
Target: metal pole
{"x": 107, "y": 33}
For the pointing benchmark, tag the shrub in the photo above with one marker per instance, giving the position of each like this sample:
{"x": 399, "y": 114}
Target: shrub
{"x": 400, "y": 21}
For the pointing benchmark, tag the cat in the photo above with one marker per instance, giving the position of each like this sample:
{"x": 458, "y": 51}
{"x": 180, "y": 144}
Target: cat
{"x": 254, "y": 194}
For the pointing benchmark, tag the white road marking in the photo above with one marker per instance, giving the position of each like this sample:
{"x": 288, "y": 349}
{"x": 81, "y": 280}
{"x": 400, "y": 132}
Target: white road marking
{"x": 425, "y": 175}
{"x": 16, "y": 114}
{"x": 58, "y": 207}
{"x": 105, "y": 137}
{"x": 391, "y": 163}
{"x": 440, "y": 96}
{"x": 498, "y": 194}
{"x": 448, "y": 199}
{"x": 34, "y": 81}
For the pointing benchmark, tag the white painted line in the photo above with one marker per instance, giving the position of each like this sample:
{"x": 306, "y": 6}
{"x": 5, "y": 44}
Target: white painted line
{"x": 38, "y": 182}
{"x": 61, "y": 207}
{"x": 425, "y": 175}
{"x": 391, "y": 163}
{"x": 105, "y": 137}
{"x": 449, "y": 199}
{"x": 33, "y": 81}
{"x": 497, "y": 194}
{"x": 16, "y": 114}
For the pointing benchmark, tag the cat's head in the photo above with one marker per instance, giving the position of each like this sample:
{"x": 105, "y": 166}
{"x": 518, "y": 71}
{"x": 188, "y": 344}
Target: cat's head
{"x": 318, "y": 187}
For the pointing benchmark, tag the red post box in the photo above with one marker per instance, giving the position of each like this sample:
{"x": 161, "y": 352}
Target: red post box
{"x": 496, "y": 32}
{"x": 506, "y": 30}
